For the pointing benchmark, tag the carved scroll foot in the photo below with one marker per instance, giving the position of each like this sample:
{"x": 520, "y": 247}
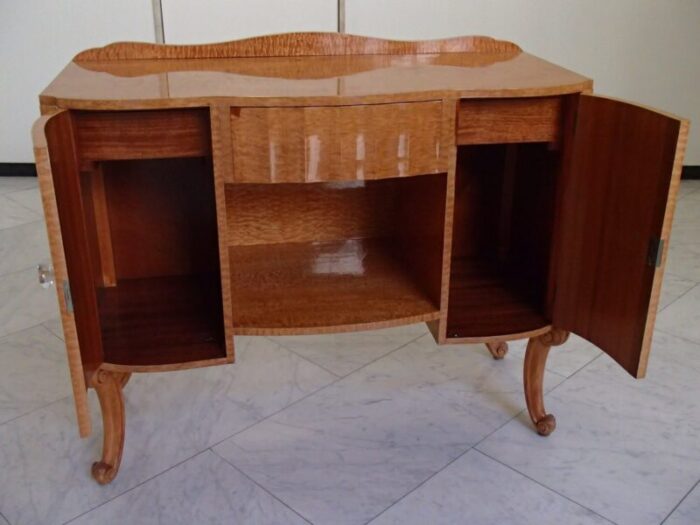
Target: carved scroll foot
{"x": 108, "y": 386}
{"x": 498, "y": 350}
{"x": 533, "y": 375}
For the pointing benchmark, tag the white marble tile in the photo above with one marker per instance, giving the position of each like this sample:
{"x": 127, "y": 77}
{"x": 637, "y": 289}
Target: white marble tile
{"x": 23, "y": 302}
{"x": 687, "y": 187}
{"x": 55, "y": 327}
{"x": 682, "y": 317}
{"x": 30, "y": 199}
{"x": 688, "y": 512}
{"x": 23, "y": 247}
{"x": 672, "y": 288}
{"x": 626, "y": 449}
{"x": 170, "y": 417}
{"x": 10, "y": 184}
{"x": 686, "y": 221}
{"x": 33, "y": 372}
{"x": 3, "y": 521}
{"x": 565, "y": 359}
{"x": 346, "y": 352}
{"x": 204, "y": 489}
{"x": 14, "y": 214}
{"x": 684, "y": 260}
{"x": 475, "y": 490}
{"x": 345, "y": 453}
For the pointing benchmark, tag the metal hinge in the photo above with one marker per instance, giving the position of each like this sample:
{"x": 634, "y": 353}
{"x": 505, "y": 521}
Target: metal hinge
{"x": 67, "y": 296}
{"x": 656, "y": 250}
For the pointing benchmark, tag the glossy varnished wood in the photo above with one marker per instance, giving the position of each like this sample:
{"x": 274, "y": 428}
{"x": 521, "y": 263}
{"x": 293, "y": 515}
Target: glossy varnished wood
{"x": 298, "y": 44}
{"x": 108, "y": 386}
{"x": 58, "y": 258}
{"x": 265, "y": 213}
{"x": 155, "y": 323}
{"x": 323, "y": 69}
{"x": 614, "y": 205}
{"x": 503, "y": 121}
{"x": 312, "y": 144}
{"x": 533, "y": 377}
{"x": 297, "y": 288}
{"x": 142, "y": 134}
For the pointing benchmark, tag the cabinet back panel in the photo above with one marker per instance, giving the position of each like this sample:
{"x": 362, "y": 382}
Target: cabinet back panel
{"x": 162, "y": 217}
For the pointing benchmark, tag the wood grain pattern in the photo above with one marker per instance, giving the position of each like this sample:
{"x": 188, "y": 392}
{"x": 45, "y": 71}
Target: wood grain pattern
{"x": 509, "y": 120}
{"x": 533, "y": 378}
{"x": 614, "y": 204}
{"x": 108, "y": 386}
{"x": 142, "y": 134}
{"x": 58, "y": 259}
{"x": 322, "y": 287}
{"x": 297, "y": 44}
{"x": 306, "y": 81}
{"x": 223, "y": 171}
{"x": 313, "y": 144}
{"x": 80, "y": 267}
{"x": 162, "y": 321}
{"x": 273, "y": 213}
{"x": 98, "y": 199}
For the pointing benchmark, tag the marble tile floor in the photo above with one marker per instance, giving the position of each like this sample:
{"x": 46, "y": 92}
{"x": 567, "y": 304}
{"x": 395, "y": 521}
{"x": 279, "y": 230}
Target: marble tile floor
{"x": 381, "y": 427}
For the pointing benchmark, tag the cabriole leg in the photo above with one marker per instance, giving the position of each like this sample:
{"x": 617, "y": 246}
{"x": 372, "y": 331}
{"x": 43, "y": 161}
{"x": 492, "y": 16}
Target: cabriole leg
{"x": 108, "y": 386}
{"x": 498, "y": 349}
{"x": 535, "y": 358}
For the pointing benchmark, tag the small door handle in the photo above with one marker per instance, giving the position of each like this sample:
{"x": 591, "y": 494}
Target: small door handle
{"x": 45, "y": 275}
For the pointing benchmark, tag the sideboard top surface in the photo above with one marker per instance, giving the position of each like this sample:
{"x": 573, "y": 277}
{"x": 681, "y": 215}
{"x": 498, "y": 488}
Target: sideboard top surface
{"x": 304, "y": 69}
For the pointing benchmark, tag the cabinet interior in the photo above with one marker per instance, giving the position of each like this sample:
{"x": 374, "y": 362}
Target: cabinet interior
{"x": 153, "y": 249}
{"x": 331, "y": 256}
{"x": 502, "y": 230}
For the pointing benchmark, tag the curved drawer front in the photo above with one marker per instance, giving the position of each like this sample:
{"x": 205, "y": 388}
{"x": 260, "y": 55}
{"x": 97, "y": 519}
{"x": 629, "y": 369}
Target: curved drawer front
{"x": 326, "y": 143}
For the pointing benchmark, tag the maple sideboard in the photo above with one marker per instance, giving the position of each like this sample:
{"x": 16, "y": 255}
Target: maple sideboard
{"x": 320, "y": 182}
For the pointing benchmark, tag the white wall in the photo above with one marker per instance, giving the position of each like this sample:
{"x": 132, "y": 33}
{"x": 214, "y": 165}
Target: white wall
{"x": 38, "y": 38}
{"x": 647, "y": 51}
{"x": 188, "y": 22}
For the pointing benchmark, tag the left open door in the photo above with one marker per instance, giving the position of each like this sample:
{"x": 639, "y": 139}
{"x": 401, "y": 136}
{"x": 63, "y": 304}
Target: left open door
{"x": 58, "y": 170}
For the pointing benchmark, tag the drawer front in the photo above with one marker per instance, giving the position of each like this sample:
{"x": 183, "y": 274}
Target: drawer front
{"x": 498, "y": 121}
{"x": 327, "y": 143}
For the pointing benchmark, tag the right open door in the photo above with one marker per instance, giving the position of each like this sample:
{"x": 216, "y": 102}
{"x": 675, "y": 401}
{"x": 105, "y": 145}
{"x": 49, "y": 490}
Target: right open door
{"x": 616, "y": 205}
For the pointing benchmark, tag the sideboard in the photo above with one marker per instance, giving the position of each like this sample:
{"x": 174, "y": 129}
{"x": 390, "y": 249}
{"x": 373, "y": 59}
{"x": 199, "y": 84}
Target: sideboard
{"x": 320, "y": 182}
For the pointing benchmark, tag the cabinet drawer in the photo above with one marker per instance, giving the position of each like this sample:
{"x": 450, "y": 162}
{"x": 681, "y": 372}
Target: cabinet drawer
{"x": 497, "y": 121}
{"x": 326, "y": 143}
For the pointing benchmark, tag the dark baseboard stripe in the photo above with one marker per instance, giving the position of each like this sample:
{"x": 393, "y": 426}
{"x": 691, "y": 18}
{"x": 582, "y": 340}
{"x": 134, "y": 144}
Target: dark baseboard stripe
{"x": 691, "y": 173}
{"x": 28, "y": 169}
{"x": 17, "y": 169}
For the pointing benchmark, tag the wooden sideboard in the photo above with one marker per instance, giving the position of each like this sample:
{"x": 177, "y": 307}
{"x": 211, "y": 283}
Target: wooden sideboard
{"x": 320, "y": 182}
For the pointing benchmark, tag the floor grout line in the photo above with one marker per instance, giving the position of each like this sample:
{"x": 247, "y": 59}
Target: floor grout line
{"x": 135, "y": 486}
{"x": 681, "y": 295}
{"x": 252, "y": 480}
{"x": 697, "y": 483}
{"x": 545, "y": 486}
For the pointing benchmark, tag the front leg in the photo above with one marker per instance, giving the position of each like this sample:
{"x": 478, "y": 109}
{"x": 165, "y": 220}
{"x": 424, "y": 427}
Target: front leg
{"x": 498, "y": 349}
{"x": 108, "y": 386}
{"x": 535, "y": 358}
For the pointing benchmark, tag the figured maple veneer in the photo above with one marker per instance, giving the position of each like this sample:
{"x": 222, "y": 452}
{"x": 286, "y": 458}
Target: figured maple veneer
{"x": 501, "y": 121}
{"x": 313, "y": 144}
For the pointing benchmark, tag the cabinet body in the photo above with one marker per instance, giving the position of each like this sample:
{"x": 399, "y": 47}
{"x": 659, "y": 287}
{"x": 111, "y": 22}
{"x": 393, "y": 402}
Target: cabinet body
{"x": 345, "y": 183}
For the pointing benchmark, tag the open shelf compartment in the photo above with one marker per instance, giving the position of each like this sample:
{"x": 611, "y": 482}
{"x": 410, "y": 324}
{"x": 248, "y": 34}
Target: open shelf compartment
{"x": 326, "y": 257}
{"x": 154, "y": 249}
{"x": 503, "y": 220}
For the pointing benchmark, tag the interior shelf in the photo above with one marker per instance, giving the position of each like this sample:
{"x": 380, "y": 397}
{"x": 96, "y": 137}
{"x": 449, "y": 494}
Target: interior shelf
{"x": 161, "y": 320}
{"x": 311, "y": 287}
{"x": 484, "y": 303}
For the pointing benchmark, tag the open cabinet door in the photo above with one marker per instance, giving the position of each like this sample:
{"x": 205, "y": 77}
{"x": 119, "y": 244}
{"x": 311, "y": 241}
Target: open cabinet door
{"x": 617, "y": 200}
{"x": 59, "y": 181}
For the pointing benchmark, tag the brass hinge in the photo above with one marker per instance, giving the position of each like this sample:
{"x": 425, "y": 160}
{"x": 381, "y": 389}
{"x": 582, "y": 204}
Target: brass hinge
{"x": 656, "y": 250}
{"x": 67, "y": 296}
